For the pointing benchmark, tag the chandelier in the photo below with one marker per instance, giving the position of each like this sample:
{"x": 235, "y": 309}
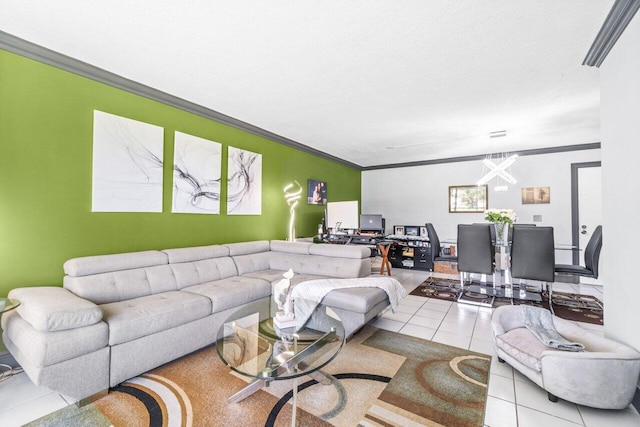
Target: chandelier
{"x": 498, "y": 166}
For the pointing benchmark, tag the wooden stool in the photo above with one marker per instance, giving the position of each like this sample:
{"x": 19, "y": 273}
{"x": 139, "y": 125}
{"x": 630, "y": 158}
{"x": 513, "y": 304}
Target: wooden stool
{"x": 384, "y": 250}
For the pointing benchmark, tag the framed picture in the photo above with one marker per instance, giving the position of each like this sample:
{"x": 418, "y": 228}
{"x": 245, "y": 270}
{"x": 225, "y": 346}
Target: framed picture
{"x": 411, "y": 230}
{"x": 316, "y": 192}
{"x": 398, "y": 230}
{"x": 423, "y": 231}
{"x": 468, "y": 198}
{"x": 535, "y": 195}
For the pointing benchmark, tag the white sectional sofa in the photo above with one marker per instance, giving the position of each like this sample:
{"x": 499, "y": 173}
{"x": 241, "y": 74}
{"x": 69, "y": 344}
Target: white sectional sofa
{"x": 120, "y": 315}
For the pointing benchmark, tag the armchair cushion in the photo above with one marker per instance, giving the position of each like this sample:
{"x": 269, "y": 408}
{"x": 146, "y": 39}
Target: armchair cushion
{"x": 523, "y": 346}
{"x": 55, "y": 309}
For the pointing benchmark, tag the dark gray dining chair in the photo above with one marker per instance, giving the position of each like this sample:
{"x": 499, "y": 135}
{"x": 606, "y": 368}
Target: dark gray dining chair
{"x": 591, "y": 258}
{"x": 475, "y": 251}
{"x": 533, "y": 255}
{"x": 434, "y": 242}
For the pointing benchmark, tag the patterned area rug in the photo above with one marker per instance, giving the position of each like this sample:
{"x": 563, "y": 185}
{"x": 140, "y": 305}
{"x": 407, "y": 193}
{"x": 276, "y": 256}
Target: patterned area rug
{"x": 433, "y": 287}
{"x": 381, "y": 378}
{"x": 570, "y": 306}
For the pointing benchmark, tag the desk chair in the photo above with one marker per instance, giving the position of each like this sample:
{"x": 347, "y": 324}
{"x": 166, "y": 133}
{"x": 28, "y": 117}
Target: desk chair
{"x": 591, "y": 258}
{"x": 533, "y": 255}
{"x": 434, "y": 242}
{"x": 475, "y": 251}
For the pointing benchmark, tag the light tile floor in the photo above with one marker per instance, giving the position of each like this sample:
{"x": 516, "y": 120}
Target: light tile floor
{"x": 513, "y": 401}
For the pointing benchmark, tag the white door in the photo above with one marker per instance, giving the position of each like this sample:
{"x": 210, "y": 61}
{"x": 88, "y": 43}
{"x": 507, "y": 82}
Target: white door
{"x": 589, "y": 210}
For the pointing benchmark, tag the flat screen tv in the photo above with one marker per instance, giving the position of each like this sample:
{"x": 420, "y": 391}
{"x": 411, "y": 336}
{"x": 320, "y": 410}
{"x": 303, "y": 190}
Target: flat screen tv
{"x": 371, "y": 223}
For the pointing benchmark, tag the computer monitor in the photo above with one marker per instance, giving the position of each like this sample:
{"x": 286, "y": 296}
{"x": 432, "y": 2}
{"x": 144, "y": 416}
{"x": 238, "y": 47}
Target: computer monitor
{"x": 372, "y": 223}
{"x": 342, "y": 215}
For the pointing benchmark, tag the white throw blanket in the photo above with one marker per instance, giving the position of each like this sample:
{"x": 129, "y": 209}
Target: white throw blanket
{"x": 307, "y": 295}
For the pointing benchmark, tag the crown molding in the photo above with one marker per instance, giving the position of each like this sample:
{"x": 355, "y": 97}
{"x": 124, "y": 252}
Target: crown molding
{"x": 39, "y": 53}
{"x": 614, "y": 25}
{"x": 532, "y": 152}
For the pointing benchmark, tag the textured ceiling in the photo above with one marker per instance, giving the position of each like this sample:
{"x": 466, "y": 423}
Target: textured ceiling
{"x": 370, "y": 81}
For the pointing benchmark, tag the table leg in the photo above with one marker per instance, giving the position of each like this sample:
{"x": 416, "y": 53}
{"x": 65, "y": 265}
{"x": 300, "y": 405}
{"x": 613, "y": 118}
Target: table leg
{"x": 253, "y": 386}
{"x": 384, "y": 251}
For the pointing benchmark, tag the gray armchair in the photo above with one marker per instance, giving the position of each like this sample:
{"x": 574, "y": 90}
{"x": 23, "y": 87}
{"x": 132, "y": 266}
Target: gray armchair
{"x": 604, "y": 376}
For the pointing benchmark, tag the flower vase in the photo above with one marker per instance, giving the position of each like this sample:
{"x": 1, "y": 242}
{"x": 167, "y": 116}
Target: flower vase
{"x": 502, "y": 230}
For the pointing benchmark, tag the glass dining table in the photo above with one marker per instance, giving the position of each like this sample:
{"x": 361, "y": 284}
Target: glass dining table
{"x": 503, "y": 285}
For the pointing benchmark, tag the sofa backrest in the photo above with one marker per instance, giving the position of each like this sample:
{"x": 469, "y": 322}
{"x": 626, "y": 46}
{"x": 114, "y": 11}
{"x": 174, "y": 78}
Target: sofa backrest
{"x": 193, "y": 266}
{"x": 119, "y": 277}
{"x": 250, "y": 256}
{"x": 323, "y": 260}
{"x": 111, "y": 278}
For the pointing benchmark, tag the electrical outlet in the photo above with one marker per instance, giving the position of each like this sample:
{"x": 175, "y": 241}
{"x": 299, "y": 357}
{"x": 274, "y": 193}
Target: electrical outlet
{"x": 537, "y": 218}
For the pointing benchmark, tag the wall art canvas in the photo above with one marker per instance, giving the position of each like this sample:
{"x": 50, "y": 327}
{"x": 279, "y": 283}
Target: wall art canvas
{"x": 127, "y": 165}
{"x": 196, "y": 175}
{"x": 244, "y": 182}
{"x": 535, "y": 195}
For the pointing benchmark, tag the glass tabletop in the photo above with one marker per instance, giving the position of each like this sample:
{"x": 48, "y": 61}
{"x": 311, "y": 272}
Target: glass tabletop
{"x": 250, "y": 344}
{"x": 7, "y": 304}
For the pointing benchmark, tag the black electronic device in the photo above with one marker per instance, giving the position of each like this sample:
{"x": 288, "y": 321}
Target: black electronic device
{"x": 371, "y": 223}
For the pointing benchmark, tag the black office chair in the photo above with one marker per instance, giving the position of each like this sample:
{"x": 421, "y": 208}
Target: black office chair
{"x": 475, "y": 251}
{"x": 533, "y": 255}
{"x": 591, "y": 258}
{"x": 434, "y": 242}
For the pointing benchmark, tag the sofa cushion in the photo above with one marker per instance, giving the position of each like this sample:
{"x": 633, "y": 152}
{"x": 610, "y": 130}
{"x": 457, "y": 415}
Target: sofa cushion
{"x": 104, "y": 263}
{"x": 325, "y": 266}
{"x": 231, "y": 292}
{"x": 42, "y": 348}
{"x": 341, "y": 251}
{"x": 523, "y": 346}
{"x": 197, "y": 253}
{"x": 253, "y": 262}
{"x": 268, "y": 275}
{"x": 123, "y": 285}
{"x": 139, "y": 317}
{"x": 290, "y": 247}
{"x": 207, "y": 270}
{"x": 358, "y": 300}
{"x": 50, "y": 308}
{"x": 246, "y": 248}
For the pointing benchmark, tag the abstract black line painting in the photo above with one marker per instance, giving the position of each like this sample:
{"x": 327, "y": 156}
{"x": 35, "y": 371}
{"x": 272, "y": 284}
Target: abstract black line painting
{"x": 127, "y": 165}
{"x": 244, "y": 182}
{"x": 196, "y": 175}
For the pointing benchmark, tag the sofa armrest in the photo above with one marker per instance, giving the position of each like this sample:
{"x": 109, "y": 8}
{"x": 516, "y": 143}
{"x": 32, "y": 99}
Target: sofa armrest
{"x": 51, "y": 308}
{"x": 605, "y": 380}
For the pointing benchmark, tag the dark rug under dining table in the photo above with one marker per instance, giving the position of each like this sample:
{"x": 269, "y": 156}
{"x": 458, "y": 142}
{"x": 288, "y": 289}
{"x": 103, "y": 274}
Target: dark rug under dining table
{"x": 570, "y": 306}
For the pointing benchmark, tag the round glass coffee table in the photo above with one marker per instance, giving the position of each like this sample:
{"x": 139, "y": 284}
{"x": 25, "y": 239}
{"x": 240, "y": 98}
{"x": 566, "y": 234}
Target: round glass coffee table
{"x": 250, "y": 344}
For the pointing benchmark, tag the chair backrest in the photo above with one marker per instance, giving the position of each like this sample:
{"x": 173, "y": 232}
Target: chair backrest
{"x": 533, "y": 253}
{"x": 592, "y": 251}
{"x": 492, "y": 228}
{"x": 434, "y": 242}
{"x": 475, "y": 248}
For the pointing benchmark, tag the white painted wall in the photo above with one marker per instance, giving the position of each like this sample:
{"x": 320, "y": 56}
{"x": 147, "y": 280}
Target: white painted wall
{"x": 620, "y": 122}
{"x": 419, "y": 194}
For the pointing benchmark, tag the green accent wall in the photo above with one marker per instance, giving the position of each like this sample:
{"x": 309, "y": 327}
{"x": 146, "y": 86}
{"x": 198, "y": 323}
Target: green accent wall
{"x": 46, "y": 132}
